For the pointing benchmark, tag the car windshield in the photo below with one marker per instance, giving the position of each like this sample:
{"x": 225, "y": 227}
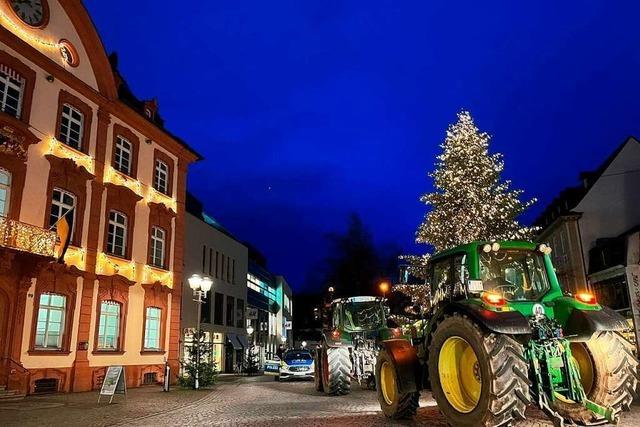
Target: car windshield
{"x": 363, "y": 315}
{"x": 297, "y": 355}
{"x": 518, "y": 275}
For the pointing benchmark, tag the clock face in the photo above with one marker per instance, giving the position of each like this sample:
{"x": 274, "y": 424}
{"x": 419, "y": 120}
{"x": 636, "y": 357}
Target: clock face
{"x": 34, "y": 13}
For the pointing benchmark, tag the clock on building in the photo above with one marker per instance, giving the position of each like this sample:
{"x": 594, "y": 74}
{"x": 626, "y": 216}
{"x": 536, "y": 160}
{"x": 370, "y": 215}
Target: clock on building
{"x": 34, "y": 13}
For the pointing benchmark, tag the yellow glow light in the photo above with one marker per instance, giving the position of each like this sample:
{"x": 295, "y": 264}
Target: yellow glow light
{"x": 112, "y": 265}
{"x": 152, "y": 275}
{"x": 154, "y": 196}
{"x": 113, "y": 176}
{"x": 61, "y": 150}
{"x": 75, "y": 256}
{"x": 24, "y": 34}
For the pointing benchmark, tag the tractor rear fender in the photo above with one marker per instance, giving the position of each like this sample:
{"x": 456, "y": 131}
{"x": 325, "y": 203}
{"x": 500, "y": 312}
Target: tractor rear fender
{"x": 406, "y": 363}
{"x": 501, "y": 322}
{"x": 582, "y": 324}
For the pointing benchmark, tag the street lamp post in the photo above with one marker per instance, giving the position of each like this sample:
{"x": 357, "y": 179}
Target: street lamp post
{"x": 200, "y": 287}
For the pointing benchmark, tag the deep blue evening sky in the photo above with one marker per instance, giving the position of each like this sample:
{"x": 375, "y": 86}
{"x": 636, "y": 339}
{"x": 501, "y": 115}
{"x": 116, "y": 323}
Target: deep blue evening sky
{"x": 308, "y": 110}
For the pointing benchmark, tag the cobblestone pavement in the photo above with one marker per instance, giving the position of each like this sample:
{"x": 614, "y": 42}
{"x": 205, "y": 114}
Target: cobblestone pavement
{"x": 260, "y": 401}
{"x": 256, "y": 401}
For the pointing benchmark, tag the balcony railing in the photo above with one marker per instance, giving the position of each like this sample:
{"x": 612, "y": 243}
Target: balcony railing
{"x": 27, "y": 238}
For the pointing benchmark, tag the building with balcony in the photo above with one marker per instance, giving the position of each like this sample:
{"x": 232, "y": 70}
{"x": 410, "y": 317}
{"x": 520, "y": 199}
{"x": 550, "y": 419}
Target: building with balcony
{"x": 212, "y": 251}
{"x": 76, "y": 143}
{"x": 593, "y": 231}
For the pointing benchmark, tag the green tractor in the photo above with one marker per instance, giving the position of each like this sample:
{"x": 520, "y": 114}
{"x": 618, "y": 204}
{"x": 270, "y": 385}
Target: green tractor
{"x": 350, "y": 342}
{"x": 501, "y": 335}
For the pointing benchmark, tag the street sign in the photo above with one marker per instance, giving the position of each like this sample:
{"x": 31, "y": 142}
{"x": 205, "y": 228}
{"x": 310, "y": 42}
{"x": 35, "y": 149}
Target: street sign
{"x": 114, "y": 383}
{"x": 252, "y": 313}
{"x": 288, "y": 324}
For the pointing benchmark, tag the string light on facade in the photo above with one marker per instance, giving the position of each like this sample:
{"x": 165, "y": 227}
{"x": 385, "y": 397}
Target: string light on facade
{"x": 58, "y": 149}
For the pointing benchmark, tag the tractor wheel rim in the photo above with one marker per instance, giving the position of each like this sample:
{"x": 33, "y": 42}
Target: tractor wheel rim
{"x": 388, "y": 383}
{"x": 582, "y": 358}
{"x": 460, "y": 376}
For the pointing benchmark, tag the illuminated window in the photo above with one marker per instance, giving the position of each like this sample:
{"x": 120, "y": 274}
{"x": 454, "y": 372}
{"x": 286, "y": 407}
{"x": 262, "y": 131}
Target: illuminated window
{"x": 11, "y": 91}
{"x": 157, "y": 246}
{"x": 161, "y": 177}
{"x": 122, "y": 155}
{"x": 117, "y": 235}
{"x": 109, "y": 329}
{"x": 50, "y": 326}
{"x": 152, "y": 328}
{"x": 62, "y": 203}
{"x": 71, "y": 127}
{"x": 5, "y": 191}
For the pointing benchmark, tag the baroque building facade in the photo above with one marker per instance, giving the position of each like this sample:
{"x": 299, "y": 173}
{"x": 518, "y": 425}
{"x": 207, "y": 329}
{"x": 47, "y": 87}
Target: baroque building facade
{"x": 76, "y": 143}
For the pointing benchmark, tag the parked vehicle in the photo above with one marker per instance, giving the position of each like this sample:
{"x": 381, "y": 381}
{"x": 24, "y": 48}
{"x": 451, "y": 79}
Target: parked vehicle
{"x": 500, "y": 335}
{"x": 296, "y": 364}
{"x": 350, "y": 344}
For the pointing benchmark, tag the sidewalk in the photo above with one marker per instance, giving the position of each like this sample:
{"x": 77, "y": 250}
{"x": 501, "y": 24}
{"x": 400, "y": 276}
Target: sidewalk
{"x": 83, "y": 409}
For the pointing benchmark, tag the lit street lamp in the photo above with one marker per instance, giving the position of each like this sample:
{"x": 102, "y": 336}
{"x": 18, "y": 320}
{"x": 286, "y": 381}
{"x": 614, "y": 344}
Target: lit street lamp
{"x": 200, "y": 287}
{"x": 384, "y": 288}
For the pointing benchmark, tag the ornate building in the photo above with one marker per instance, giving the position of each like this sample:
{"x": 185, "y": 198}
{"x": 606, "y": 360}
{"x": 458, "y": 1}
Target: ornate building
{"x": 75, "y": 142}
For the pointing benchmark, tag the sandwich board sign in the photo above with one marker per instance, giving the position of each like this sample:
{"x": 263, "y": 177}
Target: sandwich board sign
{"x": 114, "y": 383}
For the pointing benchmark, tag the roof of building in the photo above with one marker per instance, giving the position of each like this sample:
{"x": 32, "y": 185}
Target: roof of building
{"x": 195, "y": 207}
{"x": 126, "y": 95}
{"x": 570, "y": 197}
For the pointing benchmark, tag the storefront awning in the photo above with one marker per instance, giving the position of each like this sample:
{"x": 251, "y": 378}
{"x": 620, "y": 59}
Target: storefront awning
{"x": 243, "y": 341}
{"x": 233, "y": 340}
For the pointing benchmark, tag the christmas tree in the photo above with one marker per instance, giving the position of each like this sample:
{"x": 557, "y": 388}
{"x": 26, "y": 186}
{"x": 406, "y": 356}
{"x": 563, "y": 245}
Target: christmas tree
{"x": 252, "y": 366}
{"x": 198, "y": 360}
{"x": 470, "y": 201}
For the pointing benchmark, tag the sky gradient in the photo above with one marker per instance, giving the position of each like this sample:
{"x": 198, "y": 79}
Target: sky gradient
{"x": 308, "y": 110}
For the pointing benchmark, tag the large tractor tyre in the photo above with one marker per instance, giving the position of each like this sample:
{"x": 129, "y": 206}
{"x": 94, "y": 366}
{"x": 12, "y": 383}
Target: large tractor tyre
{"x": 609, "y": 376}
{"x": 478, "y": 378}
{"x": 336, "y": 371}
{"x": 393, "y": 404}
{"x": 317, "y": 375}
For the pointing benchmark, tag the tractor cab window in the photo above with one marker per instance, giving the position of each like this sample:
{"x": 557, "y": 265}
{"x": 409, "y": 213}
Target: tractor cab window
{"x": 441, "y": 275}
{"x": 363, "y": 315}
{"x": 336, "y": 316}
{"x": 517, "y": 275}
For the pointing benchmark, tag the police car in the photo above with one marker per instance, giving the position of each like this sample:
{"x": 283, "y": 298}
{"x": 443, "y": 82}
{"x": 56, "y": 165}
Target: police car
{"x": 296, "y": 364}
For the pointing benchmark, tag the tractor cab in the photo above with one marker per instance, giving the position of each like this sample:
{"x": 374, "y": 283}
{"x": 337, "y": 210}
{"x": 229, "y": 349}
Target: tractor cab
{"x": 359, "y": 314}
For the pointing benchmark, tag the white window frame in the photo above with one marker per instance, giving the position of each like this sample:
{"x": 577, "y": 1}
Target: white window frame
{"x": 44, "y": 315}
{"x": 7, "y": 189}
{"x": 62, "y": 208}
{"x": 158, "y": 246}
{"x": 161, "y": 177}
{"x": 105, "y": 316}
{"x": 8, "y": 79}
{"x": 66, "y": 121}
{"x": 120, "y": 150}
{"x": 156, "y": 322}
{"x": 117, "y": 220}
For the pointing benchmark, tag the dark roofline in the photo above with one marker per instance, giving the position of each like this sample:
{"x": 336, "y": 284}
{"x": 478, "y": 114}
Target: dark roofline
{"x": 194, "y": 206}
{"x": 127, "y": 97}
{"x": 570, "y": 197}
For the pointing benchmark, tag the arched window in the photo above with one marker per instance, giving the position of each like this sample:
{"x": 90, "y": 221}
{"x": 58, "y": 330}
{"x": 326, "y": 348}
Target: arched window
{"x": 12, "y": 86}
{"x": 5, "y": 191}
{"x": 158, "y": 246}
{"x": 62, "y": 203}
{"x": 117, "y": 234}
{"x": 51, "y": 321}
{"x": 71, "y": 127}
{"x": 152, "y": 328}
{"x": 123, "y": 153}
{"x": 109, "y": 326}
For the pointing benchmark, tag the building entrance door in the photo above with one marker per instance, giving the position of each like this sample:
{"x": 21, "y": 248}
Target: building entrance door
{"x": 228, "y": 358}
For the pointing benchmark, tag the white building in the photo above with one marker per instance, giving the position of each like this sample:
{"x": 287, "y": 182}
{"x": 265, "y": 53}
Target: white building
{"x": 212, "y": 251}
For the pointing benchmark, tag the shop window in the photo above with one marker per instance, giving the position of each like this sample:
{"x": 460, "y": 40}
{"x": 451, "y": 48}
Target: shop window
{"x": 109, "y": 328}
{"x": 152, "y": 328}
{"x": 62, "y": 203}
{"x": 71, "y": 127}
{"x": 50, "y": 325}
{"x": 12, "y": 87}
{"x": 122, "y": 158}
{"x": 117, "y": 235}
{"x": 158, "y": 240}
{"x": 5, "y": 191}
{"x": 161, "y": 177}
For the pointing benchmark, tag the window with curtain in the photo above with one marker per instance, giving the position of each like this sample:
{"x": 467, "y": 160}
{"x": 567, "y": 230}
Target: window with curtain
{"x": 161, "y": 177}
{"x": 117, "y": 234}
{"x": 71, "y": 127}
{"x": 109, "y": 328}
{"x": 122, "y": 155}
{"x": 5, "y": 191}
{"x": 152, "y": 328}
{"x": 51, "y": 318}
{"x": 11, "y": 91}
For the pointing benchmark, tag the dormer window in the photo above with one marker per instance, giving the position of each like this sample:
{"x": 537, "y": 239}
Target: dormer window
{"x": 148, "y": 113}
